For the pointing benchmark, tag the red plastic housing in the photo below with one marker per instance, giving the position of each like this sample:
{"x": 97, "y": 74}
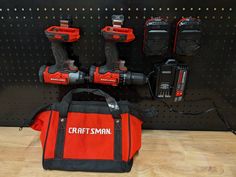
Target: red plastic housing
{"x": 55, "y": 78}
{"x": 176, "y": 33}
{"x": 119, "y": 34}
{"x": 63, "y": 34}
{"x": 107, "y": 78}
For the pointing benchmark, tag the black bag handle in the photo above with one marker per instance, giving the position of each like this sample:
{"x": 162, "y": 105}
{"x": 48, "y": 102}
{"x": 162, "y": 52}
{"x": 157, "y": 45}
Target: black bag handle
{"x": 31, "y": 118}
{"x": 111, "y": 102}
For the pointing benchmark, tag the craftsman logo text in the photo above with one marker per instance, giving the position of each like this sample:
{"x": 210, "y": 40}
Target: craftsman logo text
{"x": 89, "y": 131}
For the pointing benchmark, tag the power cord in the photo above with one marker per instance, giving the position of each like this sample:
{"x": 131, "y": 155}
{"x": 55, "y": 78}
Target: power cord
{"x": 171, "y": 109}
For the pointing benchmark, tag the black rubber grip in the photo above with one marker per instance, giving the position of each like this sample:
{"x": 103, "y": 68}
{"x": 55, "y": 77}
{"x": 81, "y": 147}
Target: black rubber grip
{"x": 111, "y": 54}
{"x": 60, "y": 55}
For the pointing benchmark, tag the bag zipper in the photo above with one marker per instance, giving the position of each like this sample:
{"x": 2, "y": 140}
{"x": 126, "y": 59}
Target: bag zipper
{"x": 60, "y": 138}
{"x": 46, "y": 138}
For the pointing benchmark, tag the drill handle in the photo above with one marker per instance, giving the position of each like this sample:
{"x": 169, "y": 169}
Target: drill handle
{"x": 111, "y": 54}
{"x": 60, "y": 55}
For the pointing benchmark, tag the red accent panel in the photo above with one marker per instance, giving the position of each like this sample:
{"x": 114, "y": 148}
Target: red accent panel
{"x": 107, "y": 78}
{"x": 125, "y": 137}
{"x": 176, "y": 33}
{"x": 63, "y": 34}
{"x": 178, "y": 93}
{"x": 136, "y": 133}
{"x": 55, "y": 78}
{"x": 119, "y": 34}
{"x": 39, "y": 121}
{"x": 41, "y": 124}
{"x": 89, "y": 136}
{"x": 180, "y": 77}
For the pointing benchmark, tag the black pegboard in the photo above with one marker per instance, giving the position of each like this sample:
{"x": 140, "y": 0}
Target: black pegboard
{"x": 24, "y": 48}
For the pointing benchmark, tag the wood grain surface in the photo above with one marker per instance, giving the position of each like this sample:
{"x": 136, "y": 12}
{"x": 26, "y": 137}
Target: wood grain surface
{"x": 163, "y": 154}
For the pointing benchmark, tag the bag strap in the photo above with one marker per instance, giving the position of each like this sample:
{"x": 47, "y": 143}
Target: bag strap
{"x": 111, "y": 102}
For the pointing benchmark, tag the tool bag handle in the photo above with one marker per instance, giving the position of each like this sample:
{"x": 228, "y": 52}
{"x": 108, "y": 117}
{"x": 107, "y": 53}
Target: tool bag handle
{"x": 111, "y": 102}
{"x": 31, "y": 119}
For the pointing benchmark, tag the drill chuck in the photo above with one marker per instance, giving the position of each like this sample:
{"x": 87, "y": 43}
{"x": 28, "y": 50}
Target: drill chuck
{"x": 132, "y": 78}
{"x": 77, "y": 78}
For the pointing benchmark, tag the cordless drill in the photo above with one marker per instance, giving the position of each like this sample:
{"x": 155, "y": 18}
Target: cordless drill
{"x": 64, "y": 71}
{"x": 114, "y": 71}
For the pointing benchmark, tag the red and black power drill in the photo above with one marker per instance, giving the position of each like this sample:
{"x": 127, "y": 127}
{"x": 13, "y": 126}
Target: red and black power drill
{"x": 64, "y": 71}
{"x": 114, "y": 72}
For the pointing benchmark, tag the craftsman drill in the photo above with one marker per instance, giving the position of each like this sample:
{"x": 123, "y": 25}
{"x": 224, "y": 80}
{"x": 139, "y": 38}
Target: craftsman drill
{"x": 64, "y": 71}
{"x": 114, "y": 71}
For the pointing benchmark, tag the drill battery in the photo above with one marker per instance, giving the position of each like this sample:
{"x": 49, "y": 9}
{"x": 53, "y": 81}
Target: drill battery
{"x": 63, "y": 34}
{"x": 187, "y": 36}
{"x": 156, "y": 36}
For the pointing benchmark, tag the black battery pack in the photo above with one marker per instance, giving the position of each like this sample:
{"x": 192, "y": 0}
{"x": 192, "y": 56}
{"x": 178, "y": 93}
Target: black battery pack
{"x": 156, "y": 36}
{"x": 169, "y": 80}
{"x": 187, "y": 37}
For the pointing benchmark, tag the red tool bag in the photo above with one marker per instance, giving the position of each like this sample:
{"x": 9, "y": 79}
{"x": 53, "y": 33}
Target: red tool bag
{"x": 88, "y": 135}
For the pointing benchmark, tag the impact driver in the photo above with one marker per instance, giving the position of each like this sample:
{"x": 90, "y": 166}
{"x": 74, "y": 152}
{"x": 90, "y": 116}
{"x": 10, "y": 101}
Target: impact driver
{"x": 64, "y": 71}
{"x": 114, "y": 71}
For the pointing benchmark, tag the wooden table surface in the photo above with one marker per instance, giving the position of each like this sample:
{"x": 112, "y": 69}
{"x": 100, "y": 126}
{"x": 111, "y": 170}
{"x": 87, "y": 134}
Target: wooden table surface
{"x": 163, "y": 154}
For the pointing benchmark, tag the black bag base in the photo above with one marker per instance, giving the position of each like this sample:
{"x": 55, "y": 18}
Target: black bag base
{"x": 88, "y": 165}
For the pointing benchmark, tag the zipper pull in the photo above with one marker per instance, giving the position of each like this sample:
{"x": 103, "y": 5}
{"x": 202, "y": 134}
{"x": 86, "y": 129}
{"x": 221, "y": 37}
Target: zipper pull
{"x": 117, "y": 124}
{"x": 63, "y": 120}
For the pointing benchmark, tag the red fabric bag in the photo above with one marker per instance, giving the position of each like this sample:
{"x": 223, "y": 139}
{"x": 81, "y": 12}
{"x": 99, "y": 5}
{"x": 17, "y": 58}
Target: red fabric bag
{"x": 89, "y": 135}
